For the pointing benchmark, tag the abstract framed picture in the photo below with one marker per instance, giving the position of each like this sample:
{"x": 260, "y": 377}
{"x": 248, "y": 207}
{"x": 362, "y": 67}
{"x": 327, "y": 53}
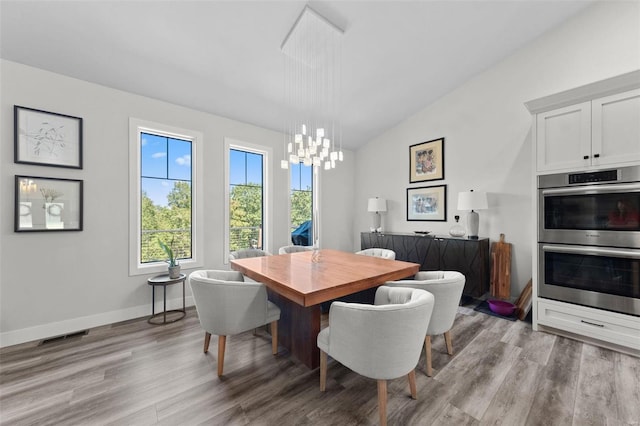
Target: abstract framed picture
{"x": 427, "y": 203}
{"x": 426, "y": 161}
{"x": 47, "y": 204}
{"x": 47, "y": 138}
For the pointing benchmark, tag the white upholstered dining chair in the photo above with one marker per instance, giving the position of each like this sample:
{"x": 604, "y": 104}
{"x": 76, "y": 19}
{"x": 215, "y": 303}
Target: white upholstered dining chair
{"x": 294, "y": 249}
{"x": 381, "y": 341}
{"x": 378, "y": 252}
{"x": 245, "y": 253}
{"x": 227, "y": 305}
{"x": 446, "y": 287}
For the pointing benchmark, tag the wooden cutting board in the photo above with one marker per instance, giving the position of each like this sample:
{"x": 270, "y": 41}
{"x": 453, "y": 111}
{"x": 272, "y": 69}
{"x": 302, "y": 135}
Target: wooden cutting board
{"x": 524, "y": 301}
{"x": 501, "y": 269}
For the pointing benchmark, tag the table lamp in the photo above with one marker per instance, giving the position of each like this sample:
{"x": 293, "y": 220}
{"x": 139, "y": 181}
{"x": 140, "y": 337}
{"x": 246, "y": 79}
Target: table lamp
{"x": 472, "y": 201}
{"x": 377, "y": 205}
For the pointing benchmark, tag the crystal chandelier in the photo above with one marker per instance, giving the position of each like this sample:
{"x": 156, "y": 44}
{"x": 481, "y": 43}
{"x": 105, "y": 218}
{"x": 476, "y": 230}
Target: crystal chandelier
{"x": 312, "y": 56}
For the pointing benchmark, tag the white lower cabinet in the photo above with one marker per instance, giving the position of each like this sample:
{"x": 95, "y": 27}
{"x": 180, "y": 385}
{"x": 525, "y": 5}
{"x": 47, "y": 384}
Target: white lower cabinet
{"x": 612, "y": 327}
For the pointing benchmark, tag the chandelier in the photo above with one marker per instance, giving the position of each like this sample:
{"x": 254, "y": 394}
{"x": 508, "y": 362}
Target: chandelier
{"x": 312, "y": 56}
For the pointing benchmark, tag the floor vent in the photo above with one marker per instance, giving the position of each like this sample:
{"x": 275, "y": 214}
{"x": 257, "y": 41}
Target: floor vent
{"x": 64, "y": 337}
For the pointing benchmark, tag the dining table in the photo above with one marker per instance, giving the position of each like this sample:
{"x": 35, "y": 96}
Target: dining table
{"x": 300, "y": 282}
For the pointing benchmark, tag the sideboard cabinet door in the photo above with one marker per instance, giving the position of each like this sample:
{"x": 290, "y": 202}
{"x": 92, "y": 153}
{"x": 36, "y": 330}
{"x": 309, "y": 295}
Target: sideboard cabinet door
{"x": 408, "y": 247}
{"x": 470, "y": 257}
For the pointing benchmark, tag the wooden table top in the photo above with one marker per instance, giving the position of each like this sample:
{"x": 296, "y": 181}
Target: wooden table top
{"x": 312, "y": 277}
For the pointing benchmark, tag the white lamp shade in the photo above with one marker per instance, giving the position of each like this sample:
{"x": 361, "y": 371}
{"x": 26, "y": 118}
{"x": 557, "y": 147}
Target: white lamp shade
{"x": 472, "y": 200}
{"x": 377, "y": 205}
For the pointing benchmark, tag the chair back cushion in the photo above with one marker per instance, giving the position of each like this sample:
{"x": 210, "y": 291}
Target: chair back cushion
{"x": 219, "y": 275}
{"x": 381, "y": 341}
{"x": 378, "y": 252}
{"x": 446, "y": 287}
{"x": 294, "y": 249}
{"x": 244, "y": 253}
{"x": 228, "y": 306}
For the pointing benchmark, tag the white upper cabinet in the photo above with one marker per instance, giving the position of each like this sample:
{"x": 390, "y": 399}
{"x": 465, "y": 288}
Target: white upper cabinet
{"x": 590, "y": 127}
{"x": 564, "y": 137}
{"x": 616, "y": 128}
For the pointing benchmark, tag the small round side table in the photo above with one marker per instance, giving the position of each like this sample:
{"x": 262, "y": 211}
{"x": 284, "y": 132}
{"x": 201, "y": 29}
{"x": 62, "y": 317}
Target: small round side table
{"x": 164, "y": 280}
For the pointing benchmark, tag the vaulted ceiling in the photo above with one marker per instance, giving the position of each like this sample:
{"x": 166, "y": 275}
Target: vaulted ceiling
{"x": 224, "y": 57}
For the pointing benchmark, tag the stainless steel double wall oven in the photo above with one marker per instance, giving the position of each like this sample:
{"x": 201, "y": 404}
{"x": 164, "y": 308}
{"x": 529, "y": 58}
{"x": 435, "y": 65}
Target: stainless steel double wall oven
{"x": 589, "y": 238}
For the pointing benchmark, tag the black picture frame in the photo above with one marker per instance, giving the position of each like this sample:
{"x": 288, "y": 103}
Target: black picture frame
{"x": 427, "y": 203}
{"x": 44, "y": 204}
{"x": 47, "y": 138}
{"x": 426, "y": 161}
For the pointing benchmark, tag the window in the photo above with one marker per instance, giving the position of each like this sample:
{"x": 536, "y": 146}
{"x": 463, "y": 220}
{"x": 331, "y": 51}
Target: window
{"x": 301, "y": 203}
{"x": 166, "y": 196}
{"x": 247, "y": 197}
{"x": 163, "y": 192}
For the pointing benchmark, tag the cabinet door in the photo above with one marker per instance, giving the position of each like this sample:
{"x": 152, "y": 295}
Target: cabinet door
{"x": 471, "y": 258}
{"x": 409, "y": 248}
{"x": 616, "y": 128}
{"x": 564, "y": 138}
{"x": 425, "y": 251}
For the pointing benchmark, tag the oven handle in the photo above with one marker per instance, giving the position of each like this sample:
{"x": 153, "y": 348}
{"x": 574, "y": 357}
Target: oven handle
{"x": 594, "y": 251}
{"x": 599, "y": 189}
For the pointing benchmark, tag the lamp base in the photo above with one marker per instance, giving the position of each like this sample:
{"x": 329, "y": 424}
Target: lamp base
{"x": 473, "y": 223}
{"x": 377, "y": 219}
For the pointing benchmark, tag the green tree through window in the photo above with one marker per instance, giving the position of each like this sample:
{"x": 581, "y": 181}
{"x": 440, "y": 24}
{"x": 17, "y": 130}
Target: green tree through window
{"x": 166, "y": 197}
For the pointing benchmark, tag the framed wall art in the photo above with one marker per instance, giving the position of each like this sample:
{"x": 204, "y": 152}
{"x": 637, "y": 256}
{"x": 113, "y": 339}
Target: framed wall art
{"x": 47, "y": 138}
{"x": 427, "y": 203}
{"x": 426, "y": 161}
{"x": 47, "y": 204}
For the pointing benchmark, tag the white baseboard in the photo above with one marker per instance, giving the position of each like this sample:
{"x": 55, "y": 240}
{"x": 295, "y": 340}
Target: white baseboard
{"x": 73, "y": 325}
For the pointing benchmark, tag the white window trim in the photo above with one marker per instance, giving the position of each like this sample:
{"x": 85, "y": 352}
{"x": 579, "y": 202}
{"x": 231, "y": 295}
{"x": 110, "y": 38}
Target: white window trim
{"x": 266, "y": 152}
{"x": 136, "y": 127}
{"x": 315, "y": 214}
{"x": 314, "y": 204}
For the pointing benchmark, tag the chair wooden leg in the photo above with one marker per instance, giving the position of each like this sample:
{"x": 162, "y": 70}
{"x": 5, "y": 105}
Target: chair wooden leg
{"x": 382, "y": 401}
{"x": 222, "y": 341}
{"x": 207, "y": 339}
{"x": 274, "y": 337}
{"x": 427, "y": 347}
{"x": 447, "y": 339}
{"x": 323, "y": 371}
{"x": 412, "y": 384}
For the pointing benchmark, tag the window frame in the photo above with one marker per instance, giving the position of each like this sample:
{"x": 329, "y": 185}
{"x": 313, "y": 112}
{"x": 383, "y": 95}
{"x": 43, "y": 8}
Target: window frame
{"x": 313, "y": 199}
{"x": 266, "y": 153}
{"x": 136, "y": 128}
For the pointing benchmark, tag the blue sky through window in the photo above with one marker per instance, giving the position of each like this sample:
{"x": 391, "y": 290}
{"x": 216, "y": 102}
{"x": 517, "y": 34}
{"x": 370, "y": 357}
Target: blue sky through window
{"x": 163, "y": 161}
{"x": 301, "y": 177}
{"x": 245, "y": 168}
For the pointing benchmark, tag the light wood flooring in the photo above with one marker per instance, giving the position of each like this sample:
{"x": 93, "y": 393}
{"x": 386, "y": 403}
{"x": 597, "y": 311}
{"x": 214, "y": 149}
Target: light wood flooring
{"x": 133, "y": 373}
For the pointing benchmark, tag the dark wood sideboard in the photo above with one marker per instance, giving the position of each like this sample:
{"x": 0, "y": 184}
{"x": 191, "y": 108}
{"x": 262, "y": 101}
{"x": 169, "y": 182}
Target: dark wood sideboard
{"x": 433, "y": 253}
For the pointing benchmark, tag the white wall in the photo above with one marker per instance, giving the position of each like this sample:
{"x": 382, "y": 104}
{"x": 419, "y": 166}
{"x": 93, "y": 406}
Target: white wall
{"x": 59, "y": 282}
{"x": 336, "y": 206}
{"x": 487, "y": 130}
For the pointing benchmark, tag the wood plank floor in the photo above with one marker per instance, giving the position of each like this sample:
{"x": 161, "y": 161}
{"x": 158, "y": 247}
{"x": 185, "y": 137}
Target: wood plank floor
{"x": 133, "y": 373}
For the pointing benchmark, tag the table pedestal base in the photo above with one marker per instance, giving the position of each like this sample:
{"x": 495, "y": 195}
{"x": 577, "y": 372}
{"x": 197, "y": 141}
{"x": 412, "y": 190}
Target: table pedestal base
{"x": 298, "y": 329}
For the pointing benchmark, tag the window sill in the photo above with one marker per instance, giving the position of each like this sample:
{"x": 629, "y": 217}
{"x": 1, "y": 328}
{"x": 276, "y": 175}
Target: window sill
{"x": 160, "y": 267}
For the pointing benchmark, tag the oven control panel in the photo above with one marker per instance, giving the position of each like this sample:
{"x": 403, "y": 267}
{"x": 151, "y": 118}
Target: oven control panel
{"x": 590, "y": 177}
